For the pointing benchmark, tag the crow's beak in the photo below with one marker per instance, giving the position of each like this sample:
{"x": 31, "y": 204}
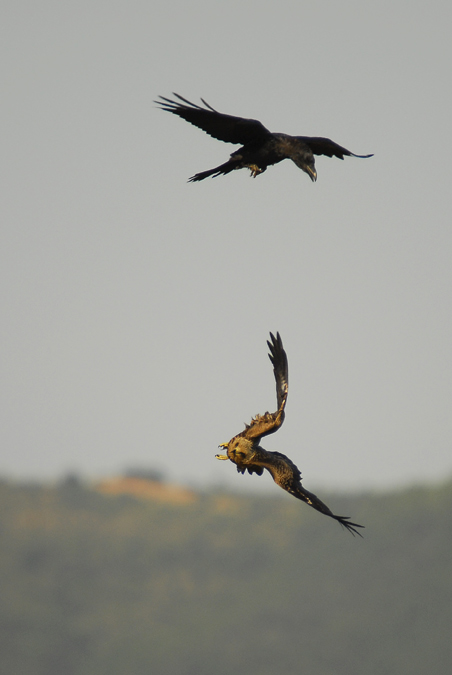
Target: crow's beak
{"x": 312, "y": 173}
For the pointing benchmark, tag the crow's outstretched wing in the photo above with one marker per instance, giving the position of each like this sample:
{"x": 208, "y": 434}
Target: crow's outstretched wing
{"x": 325, "y": 146}
{"x": 263, "y": 425}
{"x": 227, "y": 128}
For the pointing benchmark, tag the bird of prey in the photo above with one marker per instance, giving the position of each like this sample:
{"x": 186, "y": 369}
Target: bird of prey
{"x": 260, "y": 148}
{"x": 247, "y": 454}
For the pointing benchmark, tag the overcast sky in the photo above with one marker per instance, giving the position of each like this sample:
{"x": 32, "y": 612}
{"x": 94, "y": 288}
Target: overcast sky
{"x": 136, "y": 307}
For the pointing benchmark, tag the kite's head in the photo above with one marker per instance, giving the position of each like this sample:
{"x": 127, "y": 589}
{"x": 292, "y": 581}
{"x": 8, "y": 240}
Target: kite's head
{"x": 239, "y": 450}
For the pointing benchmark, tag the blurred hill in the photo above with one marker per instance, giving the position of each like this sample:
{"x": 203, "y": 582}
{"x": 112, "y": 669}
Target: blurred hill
{"x": 143, "y": 488}
{"x": 116, "y": 579}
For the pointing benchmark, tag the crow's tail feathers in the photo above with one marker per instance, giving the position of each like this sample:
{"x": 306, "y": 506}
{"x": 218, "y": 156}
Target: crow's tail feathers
{"x": 218, "y": 171}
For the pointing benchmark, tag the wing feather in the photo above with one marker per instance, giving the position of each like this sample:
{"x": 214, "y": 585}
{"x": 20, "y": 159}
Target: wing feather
{"x": 227, "y": 128}
{"x": 278, "y": 357}
{"x": 287, "y": 475}
{"x": 263, "y": 425}
{"x": 325, "y": 146}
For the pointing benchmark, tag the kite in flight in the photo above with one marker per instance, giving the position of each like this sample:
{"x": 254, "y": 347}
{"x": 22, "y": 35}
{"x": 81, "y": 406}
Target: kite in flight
{"x": 260, "y": 148}
{"x": 244, "y": 449}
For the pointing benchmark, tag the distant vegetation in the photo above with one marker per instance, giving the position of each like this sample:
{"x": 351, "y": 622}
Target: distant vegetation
{"x": 144, "y": 473}
{"x": 96, "y": 584}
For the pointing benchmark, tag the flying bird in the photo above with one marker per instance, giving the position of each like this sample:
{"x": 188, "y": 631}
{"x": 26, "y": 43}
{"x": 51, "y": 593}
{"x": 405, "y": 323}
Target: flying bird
{"x": 260, "y": 148}
{"x": 245, "y": 452}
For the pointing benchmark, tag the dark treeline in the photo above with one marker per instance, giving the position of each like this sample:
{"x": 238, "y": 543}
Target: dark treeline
{"x": 95, "y": 585}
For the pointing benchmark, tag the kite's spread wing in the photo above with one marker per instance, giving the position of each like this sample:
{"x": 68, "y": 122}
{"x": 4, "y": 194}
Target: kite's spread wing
{"x": 287, "y": 475}
{"x": 263, "y": 425}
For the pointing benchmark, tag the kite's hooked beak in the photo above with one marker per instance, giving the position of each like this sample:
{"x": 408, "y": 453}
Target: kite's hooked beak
{"x": 222, "y": 445}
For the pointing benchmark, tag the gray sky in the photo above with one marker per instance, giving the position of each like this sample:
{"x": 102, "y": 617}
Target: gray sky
{"x": 136, "y": 307}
